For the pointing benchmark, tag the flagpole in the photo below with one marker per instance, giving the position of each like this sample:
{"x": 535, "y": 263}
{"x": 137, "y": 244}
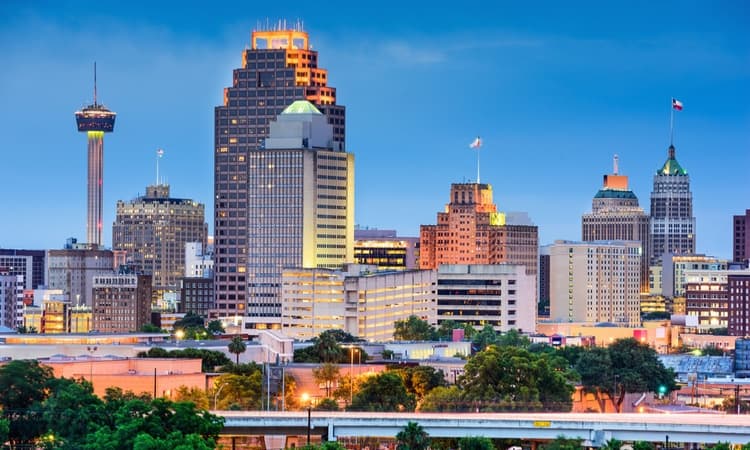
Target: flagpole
{"x": 671, "y": 125}
{"x": 478, "y": 148}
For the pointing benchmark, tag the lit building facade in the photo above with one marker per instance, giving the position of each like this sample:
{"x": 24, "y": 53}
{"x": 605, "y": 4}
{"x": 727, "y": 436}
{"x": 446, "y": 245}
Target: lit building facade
{"x": 501, "y": 295}
{"x": 300, "y": 209}
{"x": 672, "y": 225}
{"x": 741, "y": 238}
{"x": 385, "y": 249}
{"x": 472, "y": 231}
{"x": 616, "y": 216}
{"x": 277, "y": 69}
{"x": 359, "y": 300}
{"x": 153, "y": 230}
{"x": 675, "y": 268}
{"x": 11, "y": 299}
{"x": 196, "y": 295}
{"x": 29, "y": 263}
{"x": 73, "y": 270}
{"x": 595, "y": 282}
{"x": 121, "y": 302}
{"x": 706, "y": 297}
{"x": 199, "y": 263}
{"x": 738, "y": 287}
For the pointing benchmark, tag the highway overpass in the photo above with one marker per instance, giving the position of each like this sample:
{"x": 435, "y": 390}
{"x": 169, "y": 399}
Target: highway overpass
{"x": 594, "y": 428}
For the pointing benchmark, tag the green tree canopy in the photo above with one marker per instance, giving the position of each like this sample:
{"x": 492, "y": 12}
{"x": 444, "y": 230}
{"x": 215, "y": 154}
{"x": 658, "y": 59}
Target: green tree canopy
{"x": 327, "y": 348}
{"x": 382, "y": 392}
{"x": 412, "y": 437}
{"x": 475, "y": 443}
{"x": 237, "y": 346}
{"x": 326, "y": 374}
{"x": 24, "y": 387}
{"x": 419, "y": 380}
{"x": 211, "y": 359}
{"x": 443, "y": 399}
{"x": 503, "y": 378}
{"x": 413, "y": 329}
{"x": 215, "y": 328}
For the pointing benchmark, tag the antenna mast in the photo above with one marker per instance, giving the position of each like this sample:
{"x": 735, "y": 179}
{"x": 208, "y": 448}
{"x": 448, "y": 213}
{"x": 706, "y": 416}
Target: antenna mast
{"x": 616, "y": 164}
{"x": 94, "y": 83}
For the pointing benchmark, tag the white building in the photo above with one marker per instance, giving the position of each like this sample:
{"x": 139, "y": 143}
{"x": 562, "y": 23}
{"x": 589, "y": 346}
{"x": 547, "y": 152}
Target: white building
{"x": 198, "y": 264}
{"x": 595, "y": 282}
{"x": 359, "y": 300}
{"x": 73, "y": 271}
{"x": 501, "y": 295}
{"x": 11, "y": 300}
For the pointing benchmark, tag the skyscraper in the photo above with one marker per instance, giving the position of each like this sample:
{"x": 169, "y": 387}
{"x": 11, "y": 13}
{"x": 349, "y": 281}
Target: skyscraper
{"x": 741, "y": 238}
{"x": 472, "y": 231}
{"x": 278, "y": 68}
{"x": 616, "y": 216}
{"x": 672, "y": 228}
{"x": 153, "y": 229}
{"x": 300, "y": 206}
{"x": 95, "y": 120}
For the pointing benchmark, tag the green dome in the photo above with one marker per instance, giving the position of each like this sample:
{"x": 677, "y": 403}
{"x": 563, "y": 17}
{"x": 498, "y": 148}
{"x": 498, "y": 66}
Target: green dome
{"x": 671, "y": 166}
{"x": 614, "y": 193}
{"x": 301, "y": 107}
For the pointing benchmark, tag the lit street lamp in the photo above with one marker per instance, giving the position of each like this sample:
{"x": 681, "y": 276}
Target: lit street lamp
{"x": 306, "y": 400}
{"x": 179, "y": 334}
{"x": 91, "y": 364}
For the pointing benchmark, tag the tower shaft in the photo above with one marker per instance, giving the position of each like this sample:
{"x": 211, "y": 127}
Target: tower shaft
{"x": 94, "y": 188}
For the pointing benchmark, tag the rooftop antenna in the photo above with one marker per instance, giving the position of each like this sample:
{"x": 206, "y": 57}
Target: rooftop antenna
{"x": 94, "y": 83}
{"x": 159, "y": 154}
{"x": 616, "y": 164}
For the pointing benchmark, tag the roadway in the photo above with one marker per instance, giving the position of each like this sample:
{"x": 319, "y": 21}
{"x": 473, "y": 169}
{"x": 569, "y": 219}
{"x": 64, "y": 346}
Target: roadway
{"x": 594, "y": 428}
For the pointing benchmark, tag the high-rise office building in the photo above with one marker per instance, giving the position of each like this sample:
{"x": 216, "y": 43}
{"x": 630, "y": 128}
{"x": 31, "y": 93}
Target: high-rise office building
{"x": 741, "y": 238}
{"x": 279, "y": 68}
{"x": 385, "y": 249}
{"x": 11, "y": 300}
{"x": 121, "y": 302}
{"x": 738, "y": 288}
{"x": 72, "y": 271}
{"x": 153, "y": 229}
{"x": 29, "y": 263}
{"x": 300, "y": 207}
{"x": 472, "y": 231}
{"x": 95, "y": 120}
{"x": 672, "y": 228}
{"x": 595, "y": 282}
{"x": 616, "y": 216}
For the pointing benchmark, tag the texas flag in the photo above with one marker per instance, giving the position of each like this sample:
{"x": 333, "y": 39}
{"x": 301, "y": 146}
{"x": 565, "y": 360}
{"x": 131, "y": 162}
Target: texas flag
{"x": 676, "y": 104}
{"x": 476, "y": 143}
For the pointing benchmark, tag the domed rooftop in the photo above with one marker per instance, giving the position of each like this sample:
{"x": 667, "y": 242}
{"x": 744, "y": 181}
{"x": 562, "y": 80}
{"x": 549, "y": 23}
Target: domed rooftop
{"x": 301, "y": 107}
{"x": 671, "y": 166}
{"x": 615, "y": 193}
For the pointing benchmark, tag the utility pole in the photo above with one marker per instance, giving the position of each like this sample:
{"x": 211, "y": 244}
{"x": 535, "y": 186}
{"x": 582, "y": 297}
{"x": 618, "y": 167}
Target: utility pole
{"x": 737, "y": 397}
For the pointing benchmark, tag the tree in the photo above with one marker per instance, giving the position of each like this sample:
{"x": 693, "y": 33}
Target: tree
{"x": 326, "y": 374}
{"x": 328, "y": 348}
{"x": 443, "y": 399}
{"x": 382, "y": 392}
{"x": 242, "y": 390}
{"x": 412, "y": 437}
{"x": 638, "y": 369}
{"x": 215, "y": 328}
{"x": 72, "y": 411}
{"x": 327, "y": 404}
{"x": 23, "y": 387}
{"x": 211, "y": 359}
{"x": 597, "y": 376}
{"x": 612, "y": 444}
{"x": 483, "y": 338}
{"x": 150, "y": 328}
{"x": 420, "y": 380}
{"x": 191, "y": 320}
{"x": 475, "y": 443}
{"x": 512, "y": 338}
{"x": 413, "y": 329}
{"x": 512, "y": 378}
{"x": 563, "y": 443}
{"x": 643, "y": 445}
{"x": 194, "y": 395}
{"x": 237, "y": 346}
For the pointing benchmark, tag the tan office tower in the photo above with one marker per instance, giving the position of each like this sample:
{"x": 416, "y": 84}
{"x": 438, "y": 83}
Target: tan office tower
{"x": 595, "y": 282}
{"x": 300, "y": 208}
{"x": 153, "y": 229}
{"x": 616, "y": 216}
{"x": 278, "y": 68}
{"x": 122, "y": 302}
{"x": 472, "y": 231}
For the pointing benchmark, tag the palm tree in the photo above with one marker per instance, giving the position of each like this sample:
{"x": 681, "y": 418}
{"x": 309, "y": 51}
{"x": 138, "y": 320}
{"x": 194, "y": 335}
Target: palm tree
{"x": 237, "y": 346}
{"x": 413, "y": 437}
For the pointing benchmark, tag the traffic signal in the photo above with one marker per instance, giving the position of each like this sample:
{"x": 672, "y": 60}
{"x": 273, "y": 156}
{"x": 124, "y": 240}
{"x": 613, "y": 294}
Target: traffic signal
{"x": 662, "y": 390}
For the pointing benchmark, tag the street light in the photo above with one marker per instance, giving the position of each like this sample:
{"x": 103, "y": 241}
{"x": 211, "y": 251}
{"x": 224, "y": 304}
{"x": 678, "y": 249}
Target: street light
{"x": 351, "y": 367}
{"x": 216, "y": 394}
{"x": 306, "y": 400}
{"x": 179, "y": 335}
{"x": 91, "y": 364}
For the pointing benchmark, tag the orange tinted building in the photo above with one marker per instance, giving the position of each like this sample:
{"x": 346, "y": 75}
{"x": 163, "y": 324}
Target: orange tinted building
{"x": 472, "y": 231}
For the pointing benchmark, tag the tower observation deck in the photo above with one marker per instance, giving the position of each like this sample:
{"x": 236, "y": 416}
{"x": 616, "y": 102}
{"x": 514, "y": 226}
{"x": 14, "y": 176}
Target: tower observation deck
{"x": 95, "y": 120}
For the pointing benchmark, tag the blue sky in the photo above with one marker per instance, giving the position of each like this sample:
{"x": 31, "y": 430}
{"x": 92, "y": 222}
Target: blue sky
{"x": 554, "y": 89}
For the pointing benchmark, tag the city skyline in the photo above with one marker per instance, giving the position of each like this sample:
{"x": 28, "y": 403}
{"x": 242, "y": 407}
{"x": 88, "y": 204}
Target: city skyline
{"x": 586, "y": 85}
